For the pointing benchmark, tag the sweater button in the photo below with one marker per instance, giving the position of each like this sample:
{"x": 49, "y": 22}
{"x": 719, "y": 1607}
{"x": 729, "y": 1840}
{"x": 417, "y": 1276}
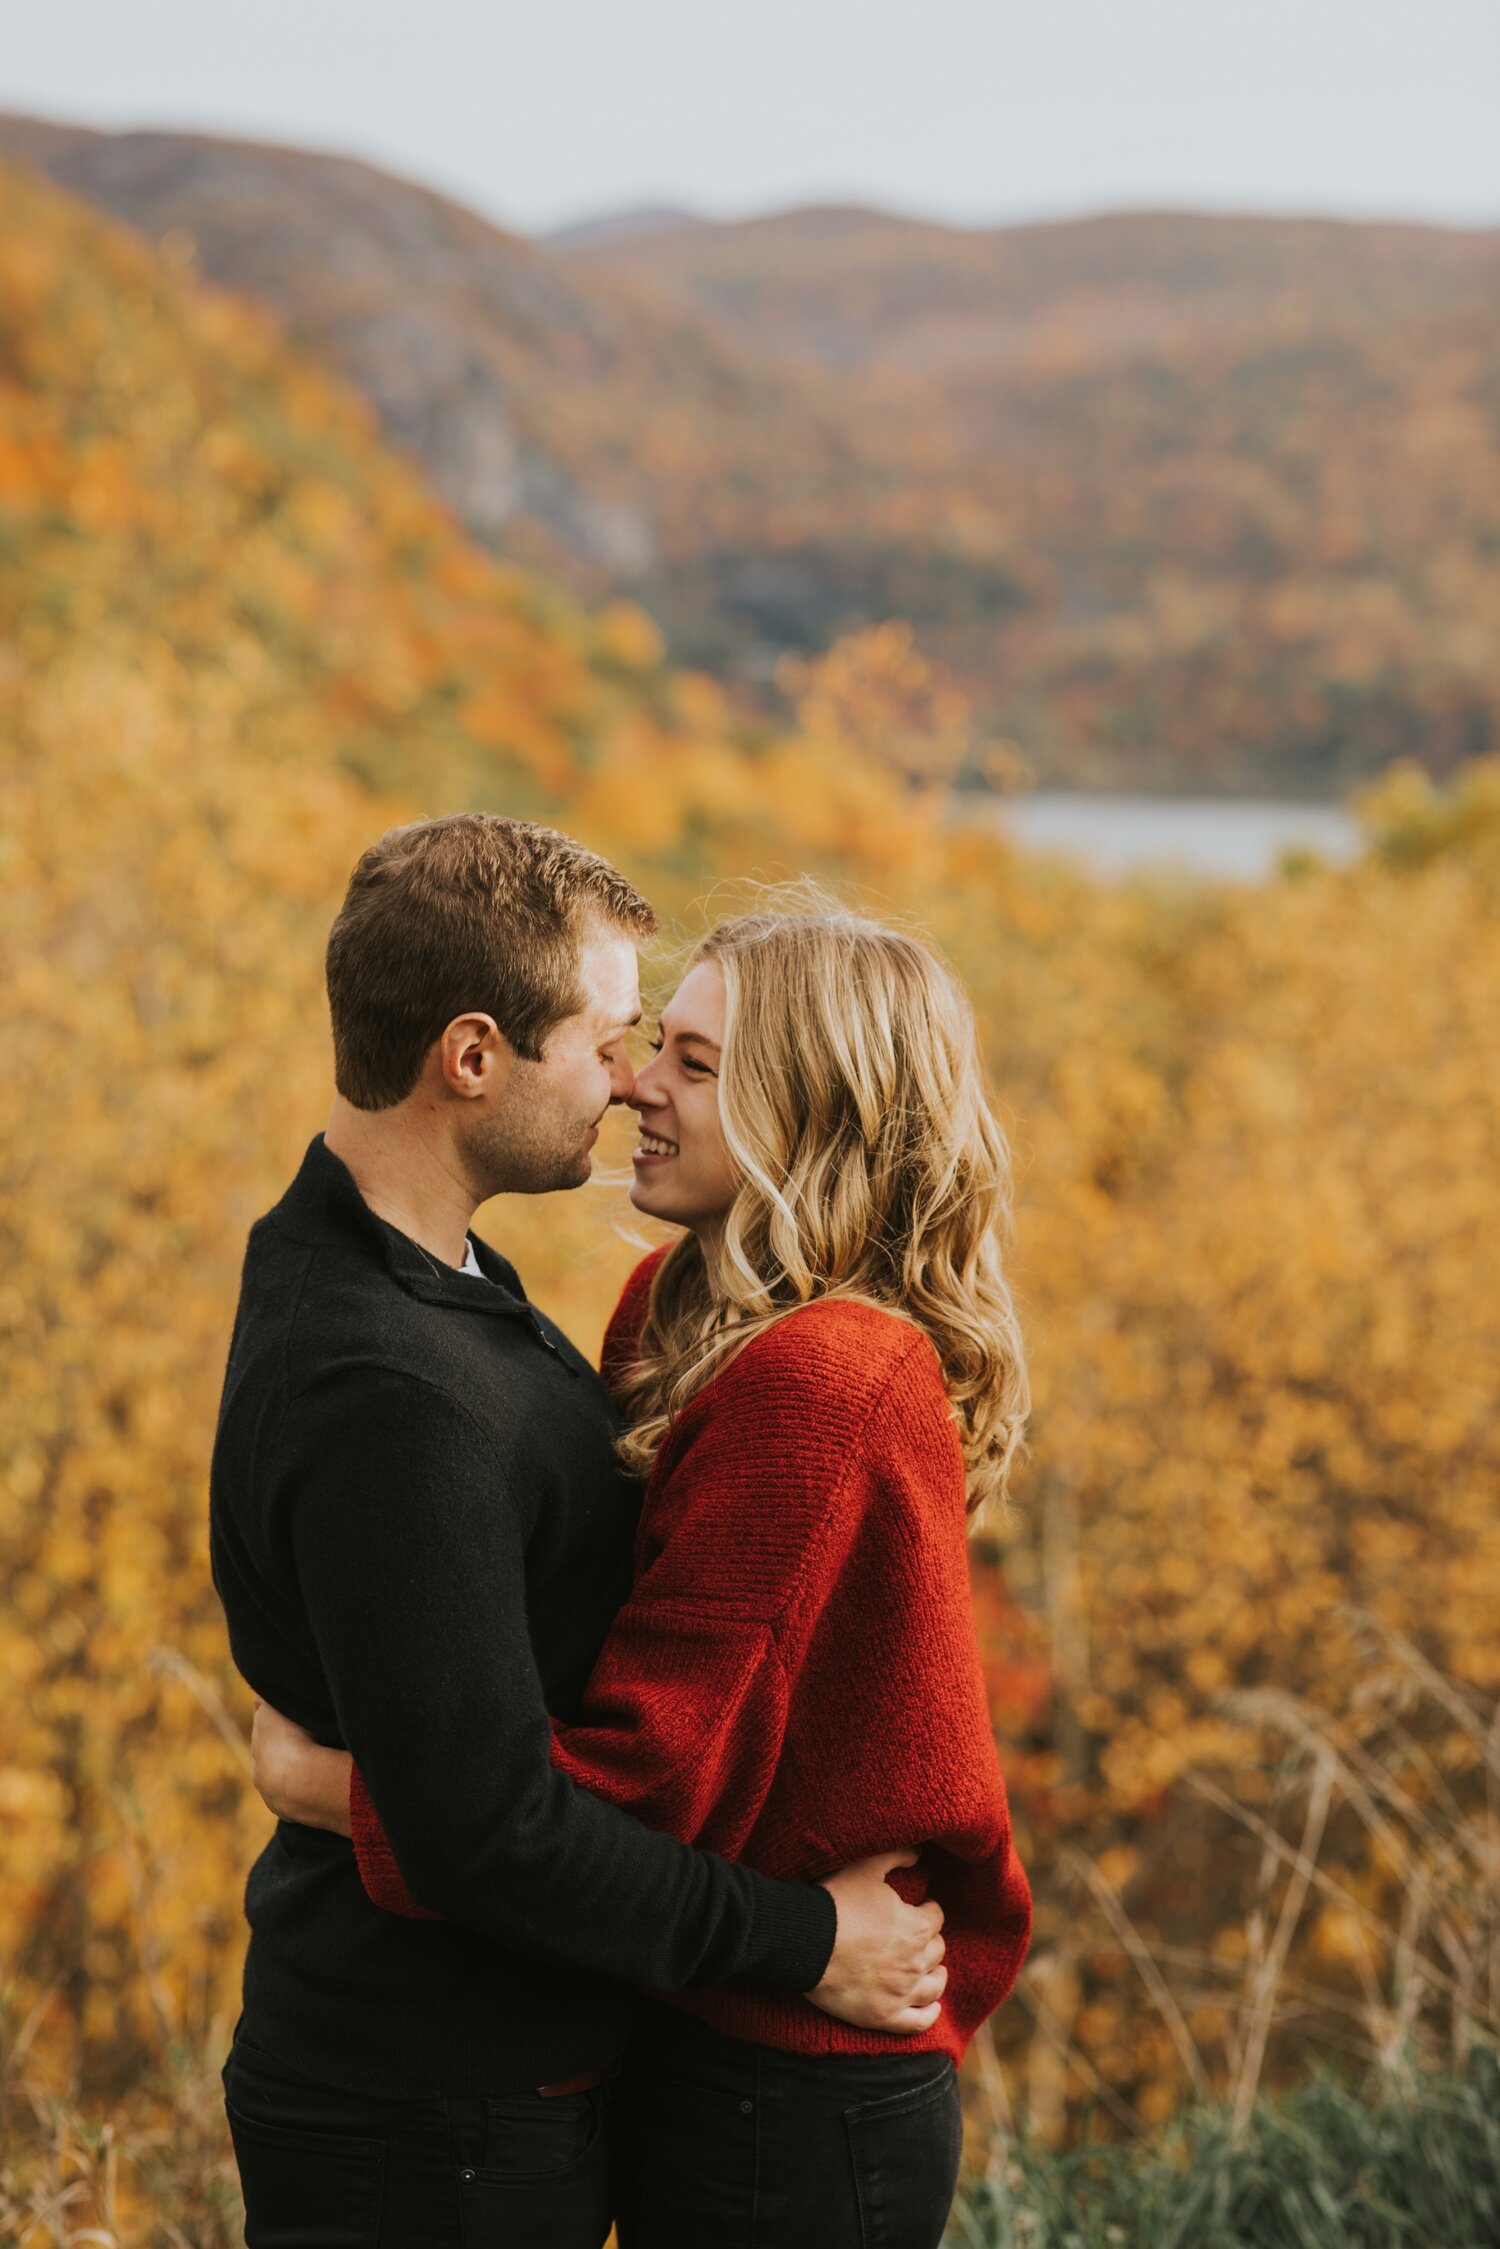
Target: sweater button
{"x": 747, "y": 2108}
{"x": 466, "y": 2176}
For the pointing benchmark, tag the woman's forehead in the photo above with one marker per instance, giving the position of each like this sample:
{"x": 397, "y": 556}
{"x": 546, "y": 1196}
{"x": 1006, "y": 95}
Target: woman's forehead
{"x": 698, "y": 1003}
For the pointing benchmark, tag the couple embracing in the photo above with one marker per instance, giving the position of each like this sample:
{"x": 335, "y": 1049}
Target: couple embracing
{"x": 642, "y": 1853}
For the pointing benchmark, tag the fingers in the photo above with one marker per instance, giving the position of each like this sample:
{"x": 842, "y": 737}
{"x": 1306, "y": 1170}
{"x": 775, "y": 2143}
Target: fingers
{"x": 930, "y": 1956}
{"x": 911, "y": 2020}
{"x": 923, "y": 1990}
{"x": 885, "y": 1861}
{"x": 922, "y": 1996}
{"x": 913, "y": 2008}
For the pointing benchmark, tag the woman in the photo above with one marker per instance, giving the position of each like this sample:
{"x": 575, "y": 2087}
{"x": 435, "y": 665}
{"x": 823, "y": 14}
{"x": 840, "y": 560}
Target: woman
{"x": 820, "y": 1377}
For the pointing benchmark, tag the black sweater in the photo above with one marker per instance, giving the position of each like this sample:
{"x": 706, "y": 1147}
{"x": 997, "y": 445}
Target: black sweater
{"x": 420, "y": 1535}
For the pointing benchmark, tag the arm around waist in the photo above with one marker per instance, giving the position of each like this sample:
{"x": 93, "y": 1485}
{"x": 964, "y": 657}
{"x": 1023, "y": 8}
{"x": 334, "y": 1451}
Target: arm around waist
{"x": 410, "y": 1554}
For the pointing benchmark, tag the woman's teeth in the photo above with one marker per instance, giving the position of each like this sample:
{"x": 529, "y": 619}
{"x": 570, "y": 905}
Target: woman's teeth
{"x": 651, "y": 1146}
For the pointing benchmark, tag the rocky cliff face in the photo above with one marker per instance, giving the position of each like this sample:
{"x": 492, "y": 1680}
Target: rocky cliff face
{"x": 451, "y": 326}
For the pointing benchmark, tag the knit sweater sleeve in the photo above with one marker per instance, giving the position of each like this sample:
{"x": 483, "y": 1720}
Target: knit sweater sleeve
{"x": 685, "y": 1711}
{"x": 416, "y": 1596}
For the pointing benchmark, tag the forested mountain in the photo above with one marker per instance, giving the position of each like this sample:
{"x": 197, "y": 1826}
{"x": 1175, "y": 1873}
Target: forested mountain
{"x": 1207, "y": 503}
{"x": 238, "y": 637}
{"x": 561, "y": 417}
{"x": 1257, "y": 1133}
{"x": 858, "y": 288}
{"x": 1247, "y": 470}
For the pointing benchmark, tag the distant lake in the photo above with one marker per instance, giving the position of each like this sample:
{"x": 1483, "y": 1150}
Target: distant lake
{"x": 1237, "y": 840}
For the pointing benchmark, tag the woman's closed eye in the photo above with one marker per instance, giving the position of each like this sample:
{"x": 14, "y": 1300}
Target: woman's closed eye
{"x": 698, "y": 1069}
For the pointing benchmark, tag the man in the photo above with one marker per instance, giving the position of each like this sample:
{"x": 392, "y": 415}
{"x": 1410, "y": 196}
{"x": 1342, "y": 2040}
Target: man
{"x": 420, "y": 1534}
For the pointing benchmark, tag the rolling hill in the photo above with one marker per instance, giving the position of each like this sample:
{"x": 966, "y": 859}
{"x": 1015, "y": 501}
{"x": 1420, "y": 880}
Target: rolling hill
{"x": 1249, "y": 468}
{"x": 238, "y": 638}
{"x": 559, "y": 416}
{"x": 871, "y": 291}
{"x": 1256, "y": 1133}
{"x": 1183, "y": 502}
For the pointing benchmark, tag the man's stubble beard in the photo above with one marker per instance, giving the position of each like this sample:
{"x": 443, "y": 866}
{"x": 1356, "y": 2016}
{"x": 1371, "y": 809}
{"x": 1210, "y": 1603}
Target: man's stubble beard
{"x": 527, "y": 1155}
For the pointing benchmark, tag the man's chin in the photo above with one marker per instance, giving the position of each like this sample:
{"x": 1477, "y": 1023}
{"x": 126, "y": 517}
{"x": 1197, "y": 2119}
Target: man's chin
{"x": 555, "y": 1178}
{"x": 576, "y": 1173}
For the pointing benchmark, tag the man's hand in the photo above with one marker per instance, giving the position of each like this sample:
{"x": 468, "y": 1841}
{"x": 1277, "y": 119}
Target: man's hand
{"x": 298, "y": 1779}
{"x": 887, "y": 1968}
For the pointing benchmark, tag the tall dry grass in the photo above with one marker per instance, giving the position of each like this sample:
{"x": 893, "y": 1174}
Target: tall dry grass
{"x": 157, "y": 2173}
{"x": 1338, "y": 2067}
{"x": 1386, "y": 1981}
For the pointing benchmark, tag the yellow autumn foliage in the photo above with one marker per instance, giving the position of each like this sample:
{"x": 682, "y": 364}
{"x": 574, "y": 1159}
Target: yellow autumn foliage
{"x": 1258, "y": 1133}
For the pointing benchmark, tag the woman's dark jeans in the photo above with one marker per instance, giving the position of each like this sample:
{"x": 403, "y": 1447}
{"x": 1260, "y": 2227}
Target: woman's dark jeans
{"x": 325, "y": 2169}
{"x": 729, "y": 2146}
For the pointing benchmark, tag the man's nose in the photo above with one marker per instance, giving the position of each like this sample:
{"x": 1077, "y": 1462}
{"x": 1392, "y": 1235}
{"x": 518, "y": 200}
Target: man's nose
{"x": 622, "y": 1081}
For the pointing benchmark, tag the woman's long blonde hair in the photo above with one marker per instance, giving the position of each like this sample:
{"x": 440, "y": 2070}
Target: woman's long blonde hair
{"x": 871, "y": 1168}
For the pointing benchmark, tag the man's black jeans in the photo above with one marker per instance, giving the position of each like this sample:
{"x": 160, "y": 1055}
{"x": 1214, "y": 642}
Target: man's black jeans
{"x": 730, "y": 2146}
{"x": 325, "y": 2169}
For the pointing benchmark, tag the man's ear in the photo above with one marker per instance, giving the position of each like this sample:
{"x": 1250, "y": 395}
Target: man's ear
{"x": 473, "y": 1056}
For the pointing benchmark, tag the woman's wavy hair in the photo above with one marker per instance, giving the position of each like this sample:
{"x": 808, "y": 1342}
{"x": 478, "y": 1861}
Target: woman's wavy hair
{"x": 871, "y": 1168}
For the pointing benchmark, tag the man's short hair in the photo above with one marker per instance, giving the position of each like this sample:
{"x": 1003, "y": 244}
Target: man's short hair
{"x": 469, "y": 914}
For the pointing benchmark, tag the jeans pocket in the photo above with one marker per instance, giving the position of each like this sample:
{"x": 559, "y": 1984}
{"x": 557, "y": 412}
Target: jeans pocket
{"x": 528, "y": 2137}
{"x": 307, "y": 2190}
{"x": 533, "y": 2173}
{"x": 905, "y": 2148}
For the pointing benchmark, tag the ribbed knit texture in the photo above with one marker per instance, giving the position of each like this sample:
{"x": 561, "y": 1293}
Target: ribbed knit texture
{"x": 795, "y": 1680}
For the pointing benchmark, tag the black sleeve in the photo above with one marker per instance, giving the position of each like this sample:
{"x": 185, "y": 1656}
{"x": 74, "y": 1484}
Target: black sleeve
{"x": 409, "y": 1555}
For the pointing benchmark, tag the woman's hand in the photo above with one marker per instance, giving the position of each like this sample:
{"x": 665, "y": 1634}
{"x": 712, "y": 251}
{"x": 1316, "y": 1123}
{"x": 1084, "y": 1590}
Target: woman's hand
{"x": 298, "y": 1779}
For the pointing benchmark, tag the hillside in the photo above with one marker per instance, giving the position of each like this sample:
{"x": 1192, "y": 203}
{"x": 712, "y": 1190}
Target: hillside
{"x": 560, "y": 417}
{"x": 237, "y": 638}
{"x": 862, "y": 289}
{"x": 1195, "y": 503}
{"x": 1249, "y": 469}
{"x": 1257, "y": 1136}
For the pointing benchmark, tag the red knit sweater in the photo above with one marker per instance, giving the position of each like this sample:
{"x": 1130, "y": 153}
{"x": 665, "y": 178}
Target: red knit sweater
{"x": 795, "y": 1680}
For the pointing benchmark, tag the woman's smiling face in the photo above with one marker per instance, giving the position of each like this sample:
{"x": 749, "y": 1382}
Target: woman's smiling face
{"x": 683, "y": 1169}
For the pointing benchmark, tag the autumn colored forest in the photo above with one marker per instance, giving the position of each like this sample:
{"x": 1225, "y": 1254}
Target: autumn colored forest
{"x": 1188, "y": 503}
{"x": 1240, "y": 1623}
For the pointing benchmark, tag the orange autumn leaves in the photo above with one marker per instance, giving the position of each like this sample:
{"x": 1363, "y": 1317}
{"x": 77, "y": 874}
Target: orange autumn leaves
{"x": 1258, "y": 1131}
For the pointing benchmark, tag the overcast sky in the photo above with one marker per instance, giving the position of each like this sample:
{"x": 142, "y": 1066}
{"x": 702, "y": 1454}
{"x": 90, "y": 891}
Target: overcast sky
{"x": 539, "y": 111}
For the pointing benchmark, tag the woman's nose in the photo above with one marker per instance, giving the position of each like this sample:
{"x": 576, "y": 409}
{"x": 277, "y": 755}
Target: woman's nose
{"x": 643, "y": 1094}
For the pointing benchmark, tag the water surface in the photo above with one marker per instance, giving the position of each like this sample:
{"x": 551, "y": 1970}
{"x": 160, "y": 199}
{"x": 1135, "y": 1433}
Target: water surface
{"x": 1233, "y": 839}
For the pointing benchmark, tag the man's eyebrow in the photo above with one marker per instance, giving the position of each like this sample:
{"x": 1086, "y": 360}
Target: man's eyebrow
{"x": 623, "y": 1023}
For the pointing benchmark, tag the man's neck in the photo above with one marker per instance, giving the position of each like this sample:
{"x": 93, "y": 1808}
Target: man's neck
{"x": 412, "y": 1181}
